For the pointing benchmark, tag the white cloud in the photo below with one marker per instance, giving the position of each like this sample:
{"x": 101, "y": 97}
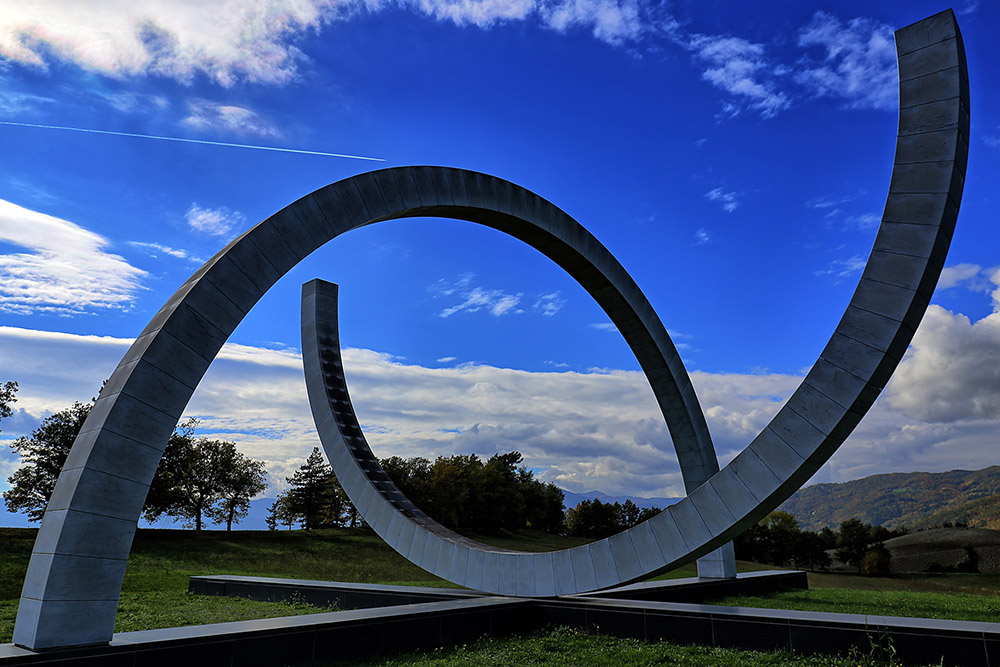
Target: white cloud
{"x": 549, "y": 304}
{"x": 865, "y": 221}
{"x": 209, "y": 116}
{"x": 213, "y": 221}
{"x": 475, "y": 299}
{"x": 226, "y": 40}
{"x": 844, "y": 268}
{"x": 604, "y": 326}
{"x": 951, "y": 372}
{"x": 157, "y": 249}
{"x": 728, "y": 200}
{"x": 992, "y": 141}
{"x": 446, "y": 360}
{"x": 966, "y": 275}
{"x": 612, "y": 21}
{"x": 858, "y": 63}
{"x": 66, "y": 269}
{"x": 595, "y": 430}
{"x": 701, "y": 237}
{"x": 742, "y": 69}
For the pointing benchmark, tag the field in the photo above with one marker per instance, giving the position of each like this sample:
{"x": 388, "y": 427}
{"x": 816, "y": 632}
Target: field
{"x": 155, "y": 592}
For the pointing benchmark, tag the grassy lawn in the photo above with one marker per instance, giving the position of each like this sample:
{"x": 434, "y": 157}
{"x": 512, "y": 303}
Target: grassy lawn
{"x": 567, "y": 646}
{"x": 154, "y": 594}
{"x": 965, "y": 597}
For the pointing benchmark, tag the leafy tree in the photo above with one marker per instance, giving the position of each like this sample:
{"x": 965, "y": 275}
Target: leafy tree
{"x": 876, "y": 561}
{"x": 809, "y": 551}
{"x": 854, "y": 541}
{"x": 7, "y": 392}
{"x": 242, "y": 479}
{"x": 592, "y": 518}
{"x": 42, "y": 458}
{"x": 203, "y": 478}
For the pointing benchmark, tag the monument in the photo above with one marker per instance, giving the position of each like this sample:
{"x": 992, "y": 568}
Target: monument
{"x": 74, "y": 578}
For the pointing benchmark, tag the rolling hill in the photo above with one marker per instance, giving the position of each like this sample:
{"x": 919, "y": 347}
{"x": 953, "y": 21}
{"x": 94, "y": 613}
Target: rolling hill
{"x": 917, "y": 500}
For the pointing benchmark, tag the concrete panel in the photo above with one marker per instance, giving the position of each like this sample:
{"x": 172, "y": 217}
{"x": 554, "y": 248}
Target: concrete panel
{"x": 924, "y": 177}
{"x": 940, "y": 85}
{"x": 474, "y": 570}
{"x": 625, "y": 556}
{"x": 236, "y": 285}
{"x": 689, "y": 523}
{"x": 869, "y": 328}
{"x": 668, "y": 536}
{"x": 100, "y": 493}
{"x": 791, "y": 426}
{"x": 63, "y": 577}
{"x": 64, "y": 623}
{"x": 759, "y": 480}
{"x": 272, "y": 246}
{"x": 931, "y": 30}
{"x": 71, "y": 532}
{"x": 733, "y": 493}
{"x": 932, "y": 117}
{"x": 711, "y": 508}
{"x": 584, "y": 575}
{"x": 647, "y": 549}
{"x": 562, "y": 570}
{"x": 779, "y": 457}
{"x": 934, "y": 58}
{"x": 126, "y": 457}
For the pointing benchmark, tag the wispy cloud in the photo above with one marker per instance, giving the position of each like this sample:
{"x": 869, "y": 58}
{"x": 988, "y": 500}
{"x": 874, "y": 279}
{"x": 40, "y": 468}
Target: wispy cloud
{"x": 727, "y": 200}
{"x": 473, "y": 299}
{"x": 446, "y": 360}
{"x": 549, "y": 304}
{"x": 157, "y": 249}
{"x": 742, "y": 69}
{"x": 701, "y": 236}
{"x": 66, "y": 269}
{"x": 213, "y": 221}
{"x": 604, "y": 326}
{"x": 858, "y": 63}
{"x": 213, "y": 117}
{"x": 844, "y": 268}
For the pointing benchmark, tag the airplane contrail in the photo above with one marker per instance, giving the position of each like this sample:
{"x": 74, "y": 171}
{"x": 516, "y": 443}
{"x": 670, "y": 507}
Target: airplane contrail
{"x": 190, "y": 141}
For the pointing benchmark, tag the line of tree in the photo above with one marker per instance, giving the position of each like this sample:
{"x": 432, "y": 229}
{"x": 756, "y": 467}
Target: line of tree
{"x": 592, "y": 518}
{"x": 198, "y": 479}
{"x": 778, "y": 540}
{"x": 462, "y": 492}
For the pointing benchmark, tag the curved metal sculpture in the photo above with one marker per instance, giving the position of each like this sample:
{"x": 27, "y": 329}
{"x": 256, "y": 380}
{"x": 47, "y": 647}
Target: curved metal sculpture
{"x": 74, "y": 577}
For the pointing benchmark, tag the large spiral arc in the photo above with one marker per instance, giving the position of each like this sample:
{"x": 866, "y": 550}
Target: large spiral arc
{"x": 78, "y": 562}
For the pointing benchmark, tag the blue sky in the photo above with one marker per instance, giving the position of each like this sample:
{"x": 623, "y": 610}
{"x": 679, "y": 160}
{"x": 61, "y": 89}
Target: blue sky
{"x": 733, "y": 156}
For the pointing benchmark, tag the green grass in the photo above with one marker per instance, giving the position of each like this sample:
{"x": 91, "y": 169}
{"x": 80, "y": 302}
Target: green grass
{"x": 154, "y": 593}
{"x": 568, "y": 646}
{"x": 964, "y": 597}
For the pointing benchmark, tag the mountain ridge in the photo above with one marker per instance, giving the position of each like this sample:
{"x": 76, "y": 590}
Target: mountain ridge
{"x": 915, "y": 499}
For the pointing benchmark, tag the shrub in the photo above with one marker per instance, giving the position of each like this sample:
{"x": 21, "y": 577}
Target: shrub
{"x": 876, "y": 562}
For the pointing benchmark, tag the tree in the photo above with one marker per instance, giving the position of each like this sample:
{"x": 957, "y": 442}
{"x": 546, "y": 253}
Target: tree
{"x": 203, "y": 478}
{"x": 854, "y": 541}
{"x": 312, "y": 495}
{"x": 7, "y": 391}
{"x": 242, "y": 479}
{"x": 876, "y": 562}
{"x": 42, "y": 458}
{"x": 592, "y": 518}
